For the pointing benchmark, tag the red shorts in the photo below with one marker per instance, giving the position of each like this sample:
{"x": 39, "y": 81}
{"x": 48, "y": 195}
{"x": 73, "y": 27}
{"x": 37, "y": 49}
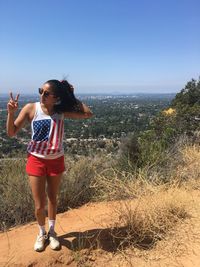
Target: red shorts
{"x": 44, "y": 167}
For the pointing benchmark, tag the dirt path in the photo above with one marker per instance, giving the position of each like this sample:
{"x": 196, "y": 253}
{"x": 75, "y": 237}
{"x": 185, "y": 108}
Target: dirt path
{"x": 16, "y": 245}
{"x": 78, "y": 229}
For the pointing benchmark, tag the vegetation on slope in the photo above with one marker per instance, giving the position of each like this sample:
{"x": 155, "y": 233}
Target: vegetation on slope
{"x": 155, "y": 169}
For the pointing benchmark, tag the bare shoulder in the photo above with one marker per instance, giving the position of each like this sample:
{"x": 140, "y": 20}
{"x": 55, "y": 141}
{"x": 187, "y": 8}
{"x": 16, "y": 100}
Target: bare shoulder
{"x": 29, "y": 110}
{"x": 29, "y": 106}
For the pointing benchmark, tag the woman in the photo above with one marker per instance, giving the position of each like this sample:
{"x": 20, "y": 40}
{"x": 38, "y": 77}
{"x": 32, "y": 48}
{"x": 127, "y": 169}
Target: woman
{"x": 45, "y": 163}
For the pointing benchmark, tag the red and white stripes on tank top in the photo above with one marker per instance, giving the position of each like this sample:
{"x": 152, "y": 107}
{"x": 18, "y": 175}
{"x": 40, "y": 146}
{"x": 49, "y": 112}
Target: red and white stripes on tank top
{"x": 47, "y": 134}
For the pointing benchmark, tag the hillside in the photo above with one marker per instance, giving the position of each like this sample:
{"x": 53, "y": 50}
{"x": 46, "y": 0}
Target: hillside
{"x": 137, "y": 207}
{"x": 154, "y": 223}
{"x": 87, "y": 240}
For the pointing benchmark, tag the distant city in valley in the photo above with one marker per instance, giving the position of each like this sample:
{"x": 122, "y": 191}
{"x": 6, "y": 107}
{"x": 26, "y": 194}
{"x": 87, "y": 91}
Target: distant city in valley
{"x": 34, "y": 97}
{"x": 115, "y": 117}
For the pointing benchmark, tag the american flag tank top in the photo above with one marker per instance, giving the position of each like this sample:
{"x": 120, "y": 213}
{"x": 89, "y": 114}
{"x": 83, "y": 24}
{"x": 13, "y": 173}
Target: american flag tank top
{"x": 47, "y": 134}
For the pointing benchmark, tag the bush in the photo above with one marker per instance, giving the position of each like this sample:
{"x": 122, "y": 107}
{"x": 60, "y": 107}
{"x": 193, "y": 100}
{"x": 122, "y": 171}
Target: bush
{"x": 153, "y": 217}
{"x": 16, "y": 205}
{"x": 76, "y": 188}
{"x": 129, "y": 153}
{"x": 16, "y": 202}
{"x": 152, "y": 147}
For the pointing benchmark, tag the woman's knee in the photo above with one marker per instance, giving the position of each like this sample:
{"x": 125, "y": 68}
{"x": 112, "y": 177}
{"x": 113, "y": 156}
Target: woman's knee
{"x": 39, "y": 209}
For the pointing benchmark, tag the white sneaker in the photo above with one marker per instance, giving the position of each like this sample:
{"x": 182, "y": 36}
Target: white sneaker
{"x": 53, "y": 241}
{"x": 40, "y": 242}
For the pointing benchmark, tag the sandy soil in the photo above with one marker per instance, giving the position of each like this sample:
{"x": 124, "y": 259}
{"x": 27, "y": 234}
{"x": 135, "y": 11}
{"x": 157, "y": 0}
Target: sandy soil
{"x": 86, "y": 241}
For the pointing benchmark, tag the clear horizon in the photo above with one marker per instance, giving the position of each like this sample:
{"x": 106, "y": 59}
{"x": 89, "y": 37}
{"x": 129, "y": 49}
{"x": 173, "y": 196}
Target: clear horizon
{"x": 124, "y": 46}
{"x": 93, "y": 94}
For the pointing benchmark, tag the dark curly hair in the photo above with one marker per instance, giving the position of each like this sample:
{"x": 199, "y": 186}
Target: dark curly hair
{"x": 66, "y": 99}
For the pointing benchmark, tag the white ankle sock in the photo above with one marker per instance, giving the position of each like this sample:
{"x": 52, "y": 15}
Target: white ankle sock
{"x": 41, "y": 229}
{"x": 51, "y": 225}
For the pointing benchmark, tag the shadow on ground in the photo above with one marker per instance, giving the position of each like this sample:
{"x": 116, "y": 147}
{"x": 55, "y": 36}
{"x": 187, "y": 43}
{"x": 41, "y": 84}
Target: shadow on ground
{"x": 109, "y": 239}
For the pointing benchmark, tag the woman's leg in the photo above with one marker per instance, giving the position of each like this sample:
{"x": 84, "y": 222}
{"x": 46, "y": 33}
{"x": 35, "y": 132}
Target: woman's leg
{"x": 37, "y": 185}
{"x": 53, "y": 183}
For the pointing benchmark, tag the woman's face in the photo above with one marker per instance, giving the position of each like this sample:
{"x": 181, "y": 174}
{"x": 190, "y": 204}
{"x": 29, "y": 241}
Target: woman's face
{"x": 46, "y": 95}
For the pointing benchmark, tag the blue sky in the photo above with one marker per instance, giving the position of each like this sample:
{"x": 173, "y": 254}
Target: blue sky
{"x": 99, "y": 45}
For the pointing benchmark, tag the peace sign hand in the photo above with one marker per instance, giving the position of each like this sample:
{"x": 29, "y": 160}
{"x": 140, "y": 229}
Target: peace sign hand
{"x": 12, "y": 105}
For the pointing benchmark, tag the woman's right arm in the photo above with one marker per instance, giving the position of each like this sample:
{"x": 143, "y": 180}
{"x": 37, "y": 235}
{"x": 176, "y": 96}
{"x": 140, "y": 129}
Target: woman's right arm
{"x": 13, "y": 126}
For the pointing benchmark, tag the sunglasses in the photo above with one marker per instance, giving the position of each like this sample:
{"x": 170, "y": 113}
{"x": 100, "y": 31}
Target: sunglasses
{"x": 43, "y": 92}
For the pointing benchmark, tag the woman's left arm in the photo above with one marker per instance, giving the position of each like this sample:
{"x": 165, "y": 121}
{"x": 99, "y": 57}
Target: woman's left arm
{"x": 83, "y": 113}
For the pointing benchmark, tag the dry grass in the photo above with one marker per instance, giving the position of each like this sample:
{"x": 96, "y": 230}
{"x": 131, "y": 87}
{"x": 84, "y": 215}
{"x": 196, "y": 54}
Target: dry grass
{"x": 76, "y": 188}
{"x": 16, "y": 203}
{"x": 154, "y": 218}
{"x": 149, "y": 211}
{"x": 160, "y": 224}
{"x": 189, "y": 169}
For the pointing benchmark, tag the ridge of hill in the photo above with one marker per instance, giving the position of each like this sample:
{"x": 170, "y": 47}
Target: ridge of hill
{"x": 86, "y": 241}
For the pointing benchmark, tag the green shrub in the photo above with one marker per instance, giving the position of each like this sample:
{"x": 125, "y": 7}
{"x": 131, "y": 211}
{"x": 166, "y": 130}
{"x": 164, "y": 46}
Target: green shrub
{"x": 155, "y": 146}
